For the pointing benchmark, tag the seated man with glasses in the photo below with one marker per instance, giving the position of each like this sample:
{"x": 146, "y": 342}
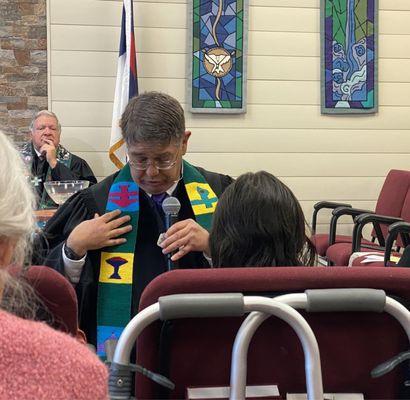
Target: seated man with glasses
{"x": 105, "y": 238}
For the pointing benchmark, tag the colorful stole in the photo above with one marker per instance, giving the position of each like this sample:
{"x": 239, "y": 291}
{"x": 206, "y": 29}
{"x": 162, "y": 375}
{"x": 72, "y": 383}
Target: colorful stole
{"x": 117, "y": 262}
{"x": 63, "y": 156}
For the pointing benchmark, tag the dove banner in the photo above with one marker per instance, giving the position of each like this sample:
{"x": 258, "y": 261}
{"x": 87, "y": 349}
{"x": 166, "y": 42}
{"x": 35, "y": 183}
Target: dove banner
{"x": 349, "y": 50}
{"x": 217, "y": 56}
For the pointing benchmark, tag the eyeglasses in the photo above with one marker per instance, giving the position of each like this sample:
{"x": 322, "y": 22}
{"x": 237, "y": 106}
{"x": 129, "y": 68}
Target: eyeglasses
{"x": 142, "y": 165}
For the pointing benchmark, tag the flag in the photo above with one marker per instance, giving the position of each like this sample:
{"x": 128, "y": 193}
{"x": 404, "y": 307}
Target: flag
{"x": 126, "y": 85}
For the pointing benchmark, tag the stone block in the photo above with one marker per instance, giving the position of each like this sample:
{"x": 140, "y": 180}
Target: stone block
{"x": 37, "y": 32}
{"x": 9, "y": 11}
{"x": 37, "y": 102}
{"x": 18, "y": 122}
{"x": 38, "y": 57}
{"x": 9, "y": 99}
{"x": 30, "y": 70}
{"x": 26, "y": 8}
{"x": 22, "y": 56}
{"x": 22, "y": 105}
{"x": 40, "y": 8}
{"x": 13, "y": 43}
{"x": 5, "y": 30}
{"x": 22, "y": 114}
{"x": 9, "y": 90}
{"x": 19, "y": 76}
{"x": 7, "y": 58}
{"x": 36, "y": 88}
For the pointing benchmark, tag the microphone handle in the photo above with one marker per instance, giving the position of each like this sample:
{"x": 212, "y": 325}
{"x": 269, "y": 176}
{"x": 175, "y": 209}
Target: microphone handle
{"x": 170, "y": 219}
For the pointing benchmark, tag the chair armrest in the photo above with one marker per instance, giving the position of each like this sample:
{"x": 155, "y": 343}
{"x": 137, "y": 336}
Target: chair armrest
{"x": 324, "y": 204}
{"x": 337, "y": 213}
{"x": 394, "y": 229}
{"x": 362, "y": 220}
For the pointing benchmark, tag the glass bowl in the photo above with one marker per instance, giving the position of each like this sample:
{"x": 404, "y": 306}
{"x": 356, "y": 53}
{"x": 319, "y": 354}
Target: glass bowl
{"x": 60, "y": 191}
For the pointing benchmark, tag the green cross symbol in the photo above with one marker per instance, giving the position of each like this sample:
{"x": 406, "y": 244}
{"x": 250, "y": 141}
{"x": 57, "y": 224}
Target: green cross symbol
{"x": 203, "y": 193}
{"x": 36, "y": 181}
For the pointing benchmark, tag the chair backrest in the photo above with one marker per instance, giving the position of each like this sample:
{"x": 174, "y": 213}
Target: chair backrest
{"x": 197, "y": 352}
{"x": 57, "y": 295}
{"x": 405, "y": 214}
{"x": 392, "y": 195}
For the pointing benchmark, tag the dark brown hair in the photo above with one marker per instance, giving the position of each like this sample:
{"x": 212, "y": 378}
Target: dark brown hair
{"x": 259, "y": 222}
{"x": 152, "y": 117}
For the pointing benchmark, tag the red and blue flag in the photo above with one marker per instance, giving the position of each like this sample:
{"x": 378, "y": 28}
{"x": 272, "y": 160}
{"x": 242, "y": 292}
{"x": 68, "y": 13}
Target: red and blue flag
{"x": 126, "y": 85}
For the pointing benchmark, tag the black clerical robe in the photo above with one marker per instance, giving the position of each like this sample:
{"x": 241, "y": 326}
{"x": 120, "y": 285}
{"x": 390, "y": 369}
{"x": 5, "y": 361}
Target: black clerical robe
{"x": 149, "y": 261}
{"x": 78, "y": 169}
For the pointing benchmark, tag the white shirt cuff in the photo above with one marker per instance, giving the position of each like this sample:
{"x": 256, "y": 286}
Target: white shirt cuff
{"x": 73, "y": 268}
{"x": 207, "y": 258}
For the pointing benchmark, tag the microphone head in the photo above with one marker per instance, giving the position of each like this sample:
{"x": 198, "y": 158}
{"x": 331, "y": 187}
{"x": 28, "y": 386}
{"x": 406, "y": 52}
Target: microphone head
{"x": 171, "y": 206}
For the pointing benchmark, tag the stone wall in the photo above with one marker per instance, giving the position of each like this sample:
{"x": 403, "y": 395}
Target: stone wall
{"x": 23, "y": 63}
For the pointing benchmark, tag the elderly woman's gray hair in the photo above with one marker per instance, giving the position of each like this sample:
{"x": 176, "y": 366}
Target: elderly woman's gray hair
{"x": 16, "y": 199}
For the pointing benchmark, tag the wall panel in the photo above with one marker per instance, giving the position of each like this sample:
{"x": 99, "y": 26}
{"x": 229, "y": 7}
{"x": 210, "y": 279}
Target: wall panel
{"x": 319, "y": 157}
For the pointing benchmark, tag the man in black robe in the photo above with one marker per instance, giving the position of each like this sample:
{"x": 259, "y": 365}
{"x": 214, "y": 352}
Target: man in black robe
{"x": 49, "y": 160}
{"x": 153, "y": 127}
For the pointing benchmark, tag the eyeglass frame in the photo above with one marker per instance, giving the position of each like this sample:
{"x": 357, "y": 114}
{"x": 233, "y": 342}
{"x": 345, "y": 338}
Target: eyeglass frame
{"x": 154, "y": 164}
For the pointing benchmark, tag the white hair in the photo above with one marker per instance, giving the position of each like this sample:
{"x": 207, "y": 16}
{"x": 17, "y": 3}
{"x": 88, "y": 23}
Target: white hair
{"x": 47, "y": 113}
{"x": 16, "y": 200}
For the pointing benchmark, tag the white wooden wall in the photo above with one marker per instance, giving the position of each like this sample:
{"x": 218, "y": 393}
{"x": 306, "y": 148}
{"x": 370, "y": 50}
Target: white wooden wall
{"x": 319, "y": 157}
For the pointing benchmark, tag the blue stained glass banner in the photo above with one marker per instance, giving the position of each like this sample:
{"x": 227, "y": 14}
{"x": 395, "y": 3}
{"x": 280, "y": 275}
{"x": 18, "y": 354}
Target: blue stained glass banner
{"x": 349, "y": 51}
{"x": 217, "y": 64}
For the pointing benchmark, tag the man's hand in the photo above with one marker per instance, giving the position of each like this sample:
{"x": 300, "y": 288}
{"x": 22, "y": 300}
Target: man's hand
{"x": 99, "y": 232}
{"x": 49, "y": 151}
{"x": 185, "y": 236}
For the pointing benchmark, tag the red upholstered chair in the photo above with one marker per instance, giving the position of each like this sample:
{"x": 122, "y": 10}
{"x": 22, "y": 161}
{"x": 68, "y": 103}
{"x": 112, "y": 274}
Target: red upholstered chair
{"x": 339, "y": 253}
{"x": 197, "y": 352}
{"x": 399, "y": 231}
{"x": 57, "y": 294}
{"x": 390, "y": 202}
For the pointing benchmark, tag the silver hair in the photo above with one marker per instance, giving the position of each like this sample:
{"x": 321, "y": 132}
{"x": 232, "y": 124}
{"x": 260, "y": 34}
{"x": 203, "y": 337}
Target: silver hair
{"x": 47, "y": 113}
{"x": 16, "y": 200}
{"x": 17, "y": 222}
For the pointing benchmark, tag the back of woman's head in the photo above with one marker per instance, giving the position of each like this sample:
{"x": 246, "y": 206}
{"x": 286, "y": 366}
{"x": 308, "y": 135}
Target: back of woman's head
{"x": 259, "y": 222}
{"x": 16, "y": 200}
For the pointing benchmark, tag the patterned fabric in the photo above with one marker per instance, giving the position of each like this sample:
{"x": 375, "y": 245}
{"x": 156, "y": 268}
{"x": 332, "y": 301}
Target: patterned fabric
{"x": 349, "y": 56}
{"x": 63, "y": 156}
{"x": 117, "y": 262}
{"x": 218, "y": 56}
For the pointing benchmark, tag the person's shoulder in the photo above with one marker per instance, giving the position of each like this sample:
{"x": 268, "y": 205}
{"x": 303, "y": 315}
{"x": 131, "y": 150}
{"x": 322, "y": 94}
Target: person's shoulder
{"x": 101, "y": 186}
{"x": 221, "y": 181}
{"x": 77, "y": 159}
{"x": 42, "y": 357}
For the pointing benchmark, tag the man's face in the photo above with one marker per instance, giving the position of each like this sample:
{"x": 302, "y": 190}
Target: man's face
{"x": 152, "y": 179}
{"x": 45, "y": 129}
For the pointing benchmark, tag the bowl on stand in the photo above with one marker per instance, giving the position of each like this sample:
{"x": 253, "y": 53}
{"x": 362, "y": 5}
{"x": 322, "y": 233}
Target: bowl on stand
{"x": 61, "y": 191}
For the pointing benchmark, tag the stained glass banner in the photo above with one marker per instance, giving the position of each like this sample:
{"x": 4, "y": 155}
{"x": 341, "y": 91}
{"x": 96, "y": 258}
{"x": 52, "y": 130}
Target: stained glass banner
{"x": 349, "y": 51}
{"x": 217, "y": 56}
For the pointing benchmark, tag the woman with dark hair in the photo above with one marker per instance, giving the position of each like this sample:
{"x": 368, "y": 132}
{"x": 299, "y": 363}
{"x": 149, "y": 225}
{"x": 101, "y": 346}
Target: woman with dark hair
{"x": 258, "y": 223}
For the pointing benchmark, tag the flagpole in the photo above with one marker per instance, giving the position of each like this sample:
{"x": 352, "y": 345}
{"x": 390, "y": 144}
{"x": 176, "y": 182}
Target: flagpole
{"x": 126, "y": 85}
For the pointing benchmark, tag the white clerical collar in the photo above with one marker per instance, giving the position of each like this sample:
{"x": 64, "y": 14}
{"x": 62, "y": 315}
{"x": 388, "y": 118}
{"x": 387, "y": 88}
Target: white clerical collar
{"x": 37, "y": 152}
{"x": 170, "y": 190}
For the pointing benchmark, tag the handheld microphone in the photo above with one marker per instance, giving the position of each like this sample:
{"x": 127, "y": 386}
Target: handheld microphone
{"x": 171, "y": 207}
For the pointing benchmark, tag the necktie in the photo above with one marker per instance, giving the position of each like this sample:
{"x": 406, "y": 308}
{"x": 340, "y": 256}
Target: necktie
{"x": 158, "y": 200}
